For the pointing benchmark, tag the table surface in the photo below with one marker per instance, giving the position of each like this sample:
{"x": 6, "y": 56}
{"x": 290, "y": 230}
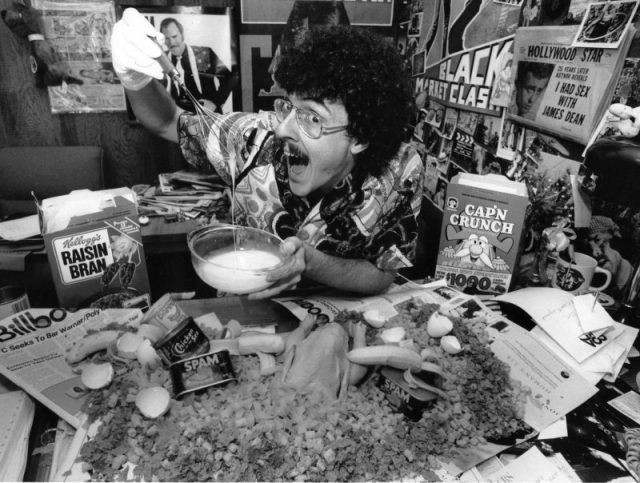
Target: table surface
{"x": 245, "y": 311}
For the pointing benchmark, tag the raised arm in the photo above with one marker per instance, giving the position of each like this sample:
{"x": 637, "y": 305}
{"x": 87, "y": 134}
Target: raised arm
{"x": 135, "y": 48}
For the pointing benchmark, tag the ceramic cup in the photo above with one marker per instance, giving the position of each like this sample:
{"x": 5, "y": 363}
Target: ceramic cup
{"x": 576, "y": 277}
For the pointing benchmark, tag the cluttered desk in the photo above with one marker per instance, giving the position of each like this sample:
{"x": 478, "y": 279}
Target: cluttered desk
{"x": 570, "y": 423}
{"x": 537, "y": 383}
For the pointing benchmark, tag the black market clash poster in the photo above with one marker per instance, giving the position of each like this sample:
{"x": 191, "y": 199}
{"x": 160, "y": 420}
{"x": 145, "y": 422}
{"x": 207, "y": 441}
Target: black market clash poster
{"x": 465, "y": 79}
{"x": 559, "y": 88}
{"x": 264, "y": 25}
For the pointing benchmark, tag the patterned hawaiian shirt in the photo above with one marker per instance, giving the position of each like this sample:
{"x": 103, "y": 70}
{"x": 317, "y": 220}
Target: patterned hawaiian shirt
{"x": 373, "y": 219}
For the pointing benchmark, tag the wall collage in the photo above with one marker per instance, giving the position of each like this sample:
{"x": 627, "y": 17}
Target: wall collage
{"x": 521, "y": 88}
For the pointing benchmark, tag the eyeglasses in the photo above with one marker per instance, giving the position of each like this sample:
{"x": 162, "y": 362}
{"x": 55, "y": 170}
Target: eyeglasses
{"x": 308, "y": 121}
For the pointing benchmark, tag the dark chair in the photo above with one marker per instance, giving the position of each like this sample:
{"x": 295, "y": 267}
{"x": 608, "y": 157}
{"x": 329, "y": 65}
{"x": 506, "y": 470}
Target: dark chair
{"x": 47, "y": 171}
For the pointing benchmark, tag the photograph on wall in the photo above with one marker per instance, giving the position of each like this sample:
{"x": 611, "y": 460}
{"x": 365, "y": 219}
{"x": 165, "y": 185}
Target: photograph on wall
{"x": 441, "y": 191}
{"x": 511, "y": 139}
{"x": 81, "y": 39}
{"x": 431, "y": 175}
{"x": 415, "y": 25}
{"x": 559, "y": 88}
{"x": 450, "y": 122}
{"x": 438, "y": 114}
{"x": 487, "y": 133}
{"x": 418, "y": 63}
{"x": 199, "y": 44}
{"x": 419, "y": 126}
{"x": 467, "y": 121}
{"x": 501, "y": 89}
{"x": 401, "y": 41}
{"x": 627, "y": 89}
{"x": 605, "y": 23}
{"x": 530, "y": 13}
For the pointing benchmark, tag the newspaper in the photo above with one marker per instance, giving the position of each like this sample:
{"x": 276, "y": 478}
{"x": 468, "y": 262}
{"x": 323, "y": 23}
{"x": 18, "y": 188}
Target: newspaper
{"x": 33, "y": 347}
{"x": 562, "y": 89}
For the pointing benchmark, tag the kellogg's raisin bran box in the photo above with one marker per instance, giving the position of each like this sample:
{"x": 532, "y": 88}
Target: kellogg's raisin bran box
{"x": 96, "y": 256}
{"x": 482, "y": 230}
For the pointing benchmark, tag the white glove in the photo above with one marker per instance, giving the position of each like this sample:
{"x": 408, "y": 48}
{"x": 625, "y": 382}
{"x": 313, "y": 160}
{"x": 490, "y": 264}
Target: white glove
{"x": 134, "y": 52}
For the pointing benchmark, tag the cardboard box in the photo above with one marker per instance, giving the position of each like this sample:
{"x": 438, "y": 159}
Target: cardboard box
{"x": 482, "y": 232}
{"x": 97, "y": 259}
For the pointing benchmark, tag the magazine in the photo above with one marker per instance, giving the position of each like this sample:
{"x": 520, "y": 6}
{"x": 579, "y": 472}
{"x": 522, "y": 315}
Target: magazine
{"x": 34, "y": 345}
{"x": 555, "y": 84}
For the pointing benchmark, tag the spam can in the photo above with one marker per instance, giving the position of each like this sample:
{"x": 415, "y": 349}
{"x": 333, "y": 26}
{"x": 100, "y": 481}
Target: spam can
{"x": 183, "y": 341}
{"x": 201, "y": 372}
{"x": 411, "y": 401}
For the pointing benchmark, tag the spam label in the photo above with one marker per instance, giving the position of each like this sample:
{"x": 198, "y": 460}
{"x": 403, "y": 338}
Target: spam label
{"x": 201, "y": 371}
{"x": 411, "y": 401}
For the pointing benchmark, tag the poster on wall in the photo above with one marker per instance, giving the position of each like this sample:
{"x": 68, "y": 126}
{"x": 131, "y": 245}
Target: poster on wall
{"x": 465, "y": 80}
{"x": 268, "y": 26}
{"x": 201, "y": 40}
{"x": 560, "y": 88}
{"x": 80, "y": 33}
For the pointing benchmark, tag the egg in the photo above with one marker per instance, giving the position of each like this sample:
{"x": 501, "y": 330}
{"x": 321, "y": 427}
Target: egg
{"x": 147, "y": 355}
{"x": 153, "y": 401}
{"x": 393, "y": 335}
{"x": 439, "y": 325}
{"x": 450, "y": 344}
{"x": 151, "y": 332}
{"x": 128, "y": 343}
{"x": 374, "y": 318}
{"x": 97, "y": 376}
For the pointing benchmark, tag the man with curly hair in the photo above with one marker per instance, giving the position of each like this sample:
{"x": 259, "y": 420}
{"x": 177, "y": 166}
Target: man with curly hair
{"x": 327, "y": 171}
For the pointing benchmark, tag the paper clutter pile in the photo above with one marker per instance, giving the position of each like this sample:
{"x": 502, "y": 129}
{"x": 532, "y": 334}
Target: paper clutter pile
{"x": 578, "y": 329}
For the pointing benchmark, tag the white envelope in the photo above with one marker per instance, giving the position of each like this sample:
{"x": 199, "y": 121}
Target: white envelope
{"x": 553, "y": 310}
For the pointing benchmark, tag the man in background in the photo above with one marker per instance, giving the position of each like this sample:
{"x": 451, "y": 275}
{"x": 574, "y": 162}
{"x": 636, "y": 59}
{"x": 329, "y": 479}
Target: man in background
{"x": 204, "y": 74}
{"x": 532, "y": 80}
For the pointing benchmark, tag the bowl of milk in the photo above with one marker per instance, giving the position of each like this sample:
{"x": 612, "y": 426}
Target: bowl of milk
{"x": 235, "y": 259}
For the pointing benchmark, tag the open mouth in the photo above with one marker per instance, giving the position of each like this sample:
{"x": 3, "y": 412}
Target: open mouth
{"x": 296, "y": 160}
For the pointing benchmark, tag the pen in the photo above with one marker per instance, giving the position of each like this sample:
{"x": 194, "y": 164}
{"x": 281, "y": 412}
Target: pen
{"x": 595, "y": 299}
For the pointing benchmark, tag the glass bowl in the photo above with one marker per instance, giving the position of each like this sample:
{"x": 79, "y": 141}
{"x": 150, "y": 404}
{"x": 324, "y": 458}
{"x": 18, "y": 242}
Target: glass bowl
{"x": 235, "y": 259}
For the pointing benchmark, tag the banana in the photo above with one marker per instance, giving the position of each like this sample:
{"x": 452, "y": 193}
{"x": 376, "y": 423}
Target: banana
{"x": 267, "y": 363}
{"x": 387, "y": 355}
{"x": 91, "y": 343}
{"x": 250, "y": 343}
{"x": 415, "y": 382}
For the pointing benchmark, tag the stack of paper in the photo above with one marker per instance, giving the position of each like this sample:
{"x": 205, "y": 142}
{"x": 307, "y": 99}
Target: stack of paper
{"x": 186, "y": 192}
{"x": 19, "y": 238}
{"x": 578, "y": 329}
{"x": 15, "y": 425}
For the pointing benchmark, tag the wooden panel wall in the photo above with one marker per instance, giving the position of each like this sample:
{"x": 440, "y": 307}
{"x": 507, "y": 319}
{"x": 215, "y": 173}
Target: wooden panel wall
{"x": 132, "y": 155}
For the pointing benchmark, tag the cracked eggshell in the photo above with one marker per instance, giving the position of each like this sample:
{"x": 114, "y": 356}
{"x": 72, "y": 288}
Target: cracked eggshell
{"x": 393, "y": 335}
{"x": 439, "y": 325}
{"x": 450, "y": 344}
{"x": 374, "y": 318}
{"x": 153, "y": 401}
{"x": 128, "y": 343}
{"x": 151, "y": 332}
{"x": 147, "y": 355}
{"x": 97, "y": 376}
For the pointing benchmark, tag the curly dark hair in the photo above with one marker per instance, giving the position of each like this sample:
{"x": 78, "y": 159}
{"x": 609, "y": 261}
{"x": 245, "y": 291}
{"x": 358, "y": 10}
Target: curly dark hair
{"x": 364, "y": 72}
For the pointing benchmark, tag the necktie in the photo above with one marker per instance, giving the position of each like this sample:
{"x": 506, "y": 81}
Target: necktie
{"x": 180, "y": 70}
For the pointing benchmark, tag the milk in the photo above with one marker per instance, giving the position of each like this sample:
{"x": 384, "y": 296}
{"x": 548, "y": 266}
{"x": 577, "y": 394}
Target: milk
{"x": 234, "y": 271}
